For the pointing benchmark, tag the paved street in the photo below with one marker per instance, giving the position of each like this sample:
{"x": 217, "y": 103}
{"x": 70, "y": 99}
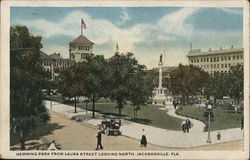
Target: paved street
{"x": 158, "y": 136}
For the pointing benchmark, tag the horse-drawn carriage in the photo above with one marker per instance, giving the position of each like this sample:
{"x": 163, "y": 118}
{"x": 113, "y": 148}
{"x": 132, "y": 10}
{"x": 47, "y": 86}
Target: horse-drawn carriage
{"x": 110, "y": 125}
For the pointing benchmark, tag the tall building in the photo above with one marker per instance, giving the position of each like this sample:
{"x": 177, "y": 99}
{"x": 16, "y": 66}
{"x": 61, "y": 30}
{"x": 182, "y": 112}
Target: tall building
{"x": 54, "y": 63}
{"x": 216, "y": 61}
{"x": 80, "y": 48}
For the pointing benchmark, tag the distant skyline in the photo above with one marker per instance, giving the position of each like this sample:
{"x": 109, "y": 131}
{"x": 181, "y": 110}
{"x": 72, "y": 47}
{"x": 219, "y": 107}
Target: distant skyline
{"x": 145, "y": 31}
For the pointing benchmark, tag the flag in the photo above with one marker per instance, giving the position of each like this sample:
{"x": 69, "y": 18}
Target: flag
{"x": 84, "y": 25}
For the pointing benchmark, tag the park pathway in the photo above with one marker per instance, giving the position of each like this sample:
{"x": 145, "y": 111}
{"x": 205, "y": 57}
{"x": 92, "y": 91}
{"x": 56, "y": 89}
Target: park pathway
{"x": 197, "y": 126}
{"x": 156, "y": 136}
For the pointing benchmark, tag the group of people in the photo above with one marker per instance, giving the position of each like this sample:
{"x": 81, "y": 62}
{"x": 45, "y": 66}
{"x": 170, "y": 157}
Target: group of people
{"x": 186, "y": 125}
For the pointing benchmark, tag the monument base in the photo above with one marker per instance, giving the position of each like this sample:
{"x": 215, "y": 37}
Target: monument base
{"x": 159, "y": 97}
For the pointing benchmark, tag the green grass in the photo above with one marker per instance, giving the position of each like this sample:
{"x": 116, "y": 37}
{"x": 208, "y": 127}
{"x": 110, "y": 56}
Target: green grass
{"x": 149, "y": 115}
{"x": 223, "y": 119}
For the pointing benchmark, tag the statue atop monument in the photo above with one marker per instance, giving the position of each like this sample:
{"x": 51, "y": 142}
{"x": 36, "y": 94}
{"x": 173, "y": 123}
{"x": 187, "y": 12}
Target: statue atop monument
{"x": 161, "y": 58}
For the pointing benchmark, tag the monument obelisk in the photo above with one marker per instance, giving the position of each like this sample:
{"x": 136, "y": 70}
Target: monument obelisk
{"x": 159, "y": 92}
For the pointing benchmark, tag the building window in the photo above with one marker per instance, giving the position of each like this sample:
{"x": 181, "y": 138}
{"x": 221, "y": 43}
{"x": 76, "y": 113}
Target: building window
{"x": 192, "y": 61}
{"x": 241, "y": 56}
{"x": 225, "y": 58}
{"x": 218, "y": 65}
{"x": 218, "y": 59}
{"x": 211, "y": 59}
{"x": 229, "y": 58}
{"x": 233, "y": 57}
{"x": 238, "y": 57}
{"x": 214, "y": 59}
{"x": 207, "y": 59}
{"x": 225, "y": 65}
{"x": 214, "y": 65}
{"x": 197, "y": 60}
{"x": 211, "y": 66}
{"x": 201, "y": 60}
{"x": 229, "y": 65}
{"x": 221, "y": 58}
{"x": 222, "y": 66}
{"x": 82, "y": 56}
{"x": 207, "y": 66}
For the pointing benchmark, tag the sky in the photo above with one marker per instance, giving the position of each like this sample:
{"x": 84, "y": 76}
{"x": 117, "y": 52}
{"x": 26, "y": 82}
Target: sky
{"x": 145, "y": 31}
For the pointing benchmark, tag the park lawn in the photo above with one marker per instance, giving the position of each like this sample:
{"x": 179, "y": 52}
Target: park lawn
{"x": 148, "y": 115}
{"x": 223, "y": 119}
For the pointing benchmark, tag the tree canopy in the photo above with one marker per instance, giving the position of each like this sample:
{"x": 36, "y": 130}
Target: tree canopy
{"x": 26, "y": 81}
{"x": 124, "y": 68}
{"x": 236, "y": 82}
{"x": 187, "y": 80}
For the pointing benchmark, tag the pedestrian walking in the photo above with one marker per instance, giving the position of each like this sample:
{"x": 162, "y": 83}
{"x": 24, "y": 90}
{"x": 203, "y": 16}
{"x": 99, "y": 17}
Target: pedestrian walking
{"x": 242, "y": 122}
{"x": 187, "y": 126}
{"x": 183, "y": 126}
{"x": 174, "y": 103}
{"x": 188, "y": 122}
{"x": 218, "y": 135}
{"x": 99, "y": 140}
{"x": 143, "y": 139}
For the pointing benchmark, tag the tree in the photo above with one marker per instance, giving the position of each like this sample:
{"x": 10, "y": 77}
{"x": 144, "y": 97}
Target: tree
{"x": 97, "y": 75}
{"x": 124, "y": 68}
{"x": 71, "y": 83}
{"x": 216, "y": 86}
{"x": 236, "y": 82}
{"x": 27, "y": 78}
{"x": 187, "y": 80}
{"x": 141, "y": 89}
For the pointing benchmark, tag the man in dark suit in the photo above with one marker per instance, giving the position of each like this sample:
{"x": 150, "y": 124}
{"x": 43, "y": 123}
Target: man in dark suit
{"x": 99, "y": 140}
{"x": 242, "y": 122}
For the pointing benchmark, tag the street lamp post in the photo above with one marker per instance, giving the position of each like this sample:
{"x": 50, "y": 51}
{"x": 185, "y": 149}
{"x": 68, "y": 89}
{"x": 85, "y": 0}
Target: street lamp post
{"x": 209, "y": 108}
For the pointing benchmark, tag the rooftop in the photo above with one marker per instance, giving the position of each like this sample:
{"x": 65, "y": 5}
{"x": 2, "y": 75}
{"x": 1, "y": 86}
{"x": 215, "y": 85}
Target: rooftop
{"x": 44, "y": 56}
{"x": 198, "y": 52}
{"x": 81, "y": 39}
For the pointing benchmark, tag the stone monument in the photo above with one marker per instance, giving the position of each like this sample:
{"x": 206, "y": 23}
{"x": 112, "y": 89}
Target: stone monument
{"x": 159, "y": 96}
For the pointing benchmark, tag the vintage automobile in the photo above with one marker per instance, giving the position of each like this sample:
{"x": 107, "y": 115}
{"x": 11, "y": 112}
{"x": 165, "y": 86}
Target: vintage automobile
{"x": 110, "y": 125}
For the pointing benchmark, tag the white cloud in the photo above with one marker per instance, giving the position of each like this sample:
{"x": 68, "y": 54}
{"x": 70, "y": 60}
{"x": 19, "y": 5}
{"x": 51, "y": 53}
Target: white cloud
{"x": 102, "y": 31}
{"x": 174, "y": 23}
{"x": 232, "y": 11}
{"x": 98, "y": 30}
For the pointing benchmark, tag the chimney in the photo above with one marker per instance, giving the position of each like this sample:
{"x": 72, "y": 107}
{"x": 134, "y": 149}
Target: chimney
{"x": 232, "y": 46}
{"x": 191, "y": 47}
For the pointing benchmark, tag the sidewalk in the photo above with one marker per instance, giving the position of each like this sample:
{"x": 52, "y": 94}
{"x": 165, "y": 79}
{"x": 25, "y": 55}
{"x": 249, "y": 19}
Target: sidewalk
{"x": 157, "y": 136}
